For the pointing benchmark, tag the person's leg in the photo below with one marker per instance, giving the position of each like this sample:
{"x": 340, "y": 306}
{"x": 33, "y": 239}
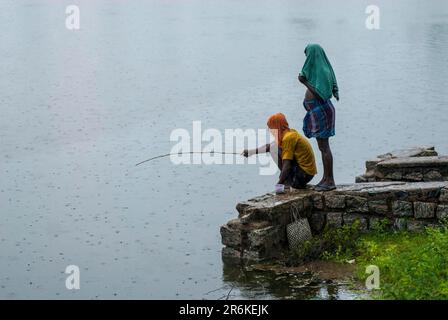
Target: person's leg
{"x": 300, "y": 178}
{"x": 276, "y": 154}
{"x": 327, "y": 160}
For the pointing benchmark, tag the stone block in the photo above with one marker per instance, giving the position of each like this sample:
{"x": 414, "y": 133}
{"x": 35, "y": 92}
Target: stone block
{"x": 415, "y": 151}
{"x": 351, "y": 218}
{"x": 379, "y": 207}
{"x": 230, "y": 255}
{"x": 241, "y": 207}
{"x": 442, "y": 211}
{"x": 443, "y": 195}
{"x": 394, "y": 175}
{"x": 378, "y": 174}
{"x": 413, "y": 176}
{"x": 400, "y": 224}
{"x": 335, "y": 201}
{"x": 317, "y": 221}
{"x": 423, "y": 210}
{"x": 361, "y": 178}
{"x": 416, "y": 162}
{"x": 334, "y": 219}
{"x": 253, "y": 256}
{"x": 371, "y": 164}
{"x": 356, "y": 204}
{"x": 308, "y": 204}
{"x": 251, "y": 214}
{"x": 318, "y": 201}
{"x": 300, "y": 204}
{"x": 268, "y": 237}
{"x": 231, "y": 234}
{"x": 383, "y": 190}
{"x": 402, "y": 208}
{"x": 281, "y": 214}
{"x": 432, "y": 175}
{"x": 247, "y": 256}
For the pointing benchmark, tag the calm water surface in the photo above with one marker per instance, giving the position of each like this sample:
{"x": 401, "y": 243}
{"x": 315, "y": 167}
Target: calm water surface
{"x": 79, "y": 109}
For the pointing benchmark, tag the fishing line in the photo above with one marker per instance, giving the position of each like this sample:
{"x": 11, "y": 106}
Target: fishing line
{"x": 181, "y": 153}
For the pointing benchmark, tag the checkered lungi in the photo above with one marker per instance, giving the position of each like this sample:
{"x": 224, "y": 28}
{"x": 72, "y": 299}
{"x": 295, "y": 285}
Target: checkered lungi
{"x": 319, "y": 121}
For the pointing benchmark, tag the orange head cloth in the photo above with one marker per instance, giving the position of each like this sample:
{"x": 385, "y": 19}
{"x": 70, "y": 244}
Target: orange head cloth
{"x": 278, "y": 122}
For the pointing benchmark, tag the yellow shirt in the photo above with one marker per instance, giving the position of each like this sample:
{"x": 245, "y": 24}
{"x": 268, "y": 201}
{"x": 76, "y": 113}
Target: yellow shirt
{"x": 297, "y": 147}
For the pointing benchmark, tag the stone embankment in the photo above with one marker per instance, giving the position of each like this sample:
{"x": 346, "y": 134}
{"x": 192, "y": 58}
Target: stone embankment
{"x": 409, "y": 188}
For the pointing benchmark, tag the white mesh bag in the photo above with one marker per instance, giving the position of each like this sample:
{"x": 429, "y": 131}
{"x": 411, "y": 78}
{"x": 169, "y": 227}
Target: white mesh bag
{"x": 298, "y": 231}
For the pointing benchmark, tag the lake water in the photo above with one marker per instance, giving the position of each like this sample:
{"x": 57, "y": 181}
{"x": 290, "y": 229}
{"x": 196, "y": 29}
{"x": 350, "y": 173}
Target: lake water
{"x": 80, "y": 108}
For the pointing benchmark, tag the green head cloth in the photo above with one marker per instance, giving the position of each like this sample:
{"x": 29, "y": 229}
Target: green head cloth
{"x": 318, "y": 72}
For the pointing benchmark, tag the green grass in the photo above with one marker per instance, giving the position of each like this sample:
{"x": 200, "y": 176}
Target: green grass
{"x": 412, "y": 265}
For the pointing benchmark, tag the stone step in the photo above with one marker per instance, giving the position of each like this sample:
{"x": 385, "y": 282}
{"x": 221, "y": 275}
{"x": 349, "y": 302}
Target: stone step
{"x": 416, "y": 151}
{"x": 412, "y": 164}
{"x": 412, "y": 169}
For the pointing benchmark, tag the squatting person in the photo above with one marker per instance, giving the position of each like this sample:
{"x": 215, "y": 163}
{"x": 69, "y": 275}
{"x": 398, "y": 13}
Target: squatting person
{"x": 291, "y": 151}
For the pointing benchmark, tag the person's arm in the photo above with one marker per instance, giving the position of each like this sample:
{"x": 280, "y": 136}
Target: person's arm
{"x": 302, "y": 79}
{"x": 262, "y": 149}
{"x": 286, "y": 170}
{"x": 336, "y": 92}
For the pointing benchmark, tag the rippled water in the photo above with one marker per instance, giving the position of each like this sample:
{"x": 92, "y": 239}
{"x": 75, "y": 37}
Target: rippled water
{"x": 80, "y": 108}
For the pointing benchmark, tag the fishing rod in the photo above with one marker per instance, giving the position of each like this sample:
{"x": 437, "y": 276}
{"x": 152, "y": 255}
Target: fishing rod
{"x": 181, "y": 153}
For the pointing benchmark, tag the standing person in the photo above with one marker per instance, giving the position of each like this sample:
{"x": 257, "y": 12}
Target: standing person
{"x": 319, "y": 122}
{"x": 291, "y": 151}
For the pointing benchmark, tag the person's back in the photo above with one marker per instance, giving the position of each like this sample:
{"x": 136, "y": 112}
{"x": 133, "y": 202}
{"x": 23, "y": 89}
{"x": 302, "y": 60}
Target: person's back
{"x": 296, "y": 147}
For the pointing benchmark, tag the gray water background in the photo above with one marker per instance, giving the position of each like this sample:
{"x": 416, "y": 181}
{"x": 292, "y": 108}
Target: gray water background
{"x": 80, "y": 108}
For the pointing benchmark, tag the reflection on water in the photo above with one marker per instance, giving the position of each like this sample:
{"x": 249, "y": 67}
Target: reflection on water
{"x": 79, "y": 109}
{"x": 246, "y": 284}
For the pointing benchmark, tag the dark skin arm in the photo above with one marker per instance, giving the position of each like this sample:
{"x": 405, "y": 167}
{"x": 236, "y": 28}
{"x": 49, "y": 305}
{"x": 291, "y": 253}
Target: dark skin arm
{"x": 286, "y": 165}
{"x": 286, "y": 169}
{"x": 262, "y": 149}
{"x": 336, "y": 92}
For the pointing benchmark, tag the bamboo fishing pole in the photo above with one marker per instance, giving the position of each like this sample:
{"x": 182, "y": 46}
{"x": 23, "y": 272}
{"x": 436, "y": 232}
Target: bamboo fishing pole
{"x": 181, "y": 153}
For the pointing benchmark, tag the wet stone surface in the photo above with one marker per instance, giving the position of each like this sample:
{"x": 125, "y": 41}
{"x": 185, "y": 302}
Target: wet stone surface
{"x": 424, "y": 210}
{"x": 262, "y": 220}
{"x": 403, "y": 208}
{"x": 334, "y": 219}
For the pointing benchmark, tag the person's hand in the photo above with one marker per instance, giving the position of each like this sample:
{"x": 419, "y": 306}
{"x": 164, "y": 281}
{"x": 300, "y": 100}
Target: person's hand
{"x": 247, "y": 153}
{"x": 336, "y": 92}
